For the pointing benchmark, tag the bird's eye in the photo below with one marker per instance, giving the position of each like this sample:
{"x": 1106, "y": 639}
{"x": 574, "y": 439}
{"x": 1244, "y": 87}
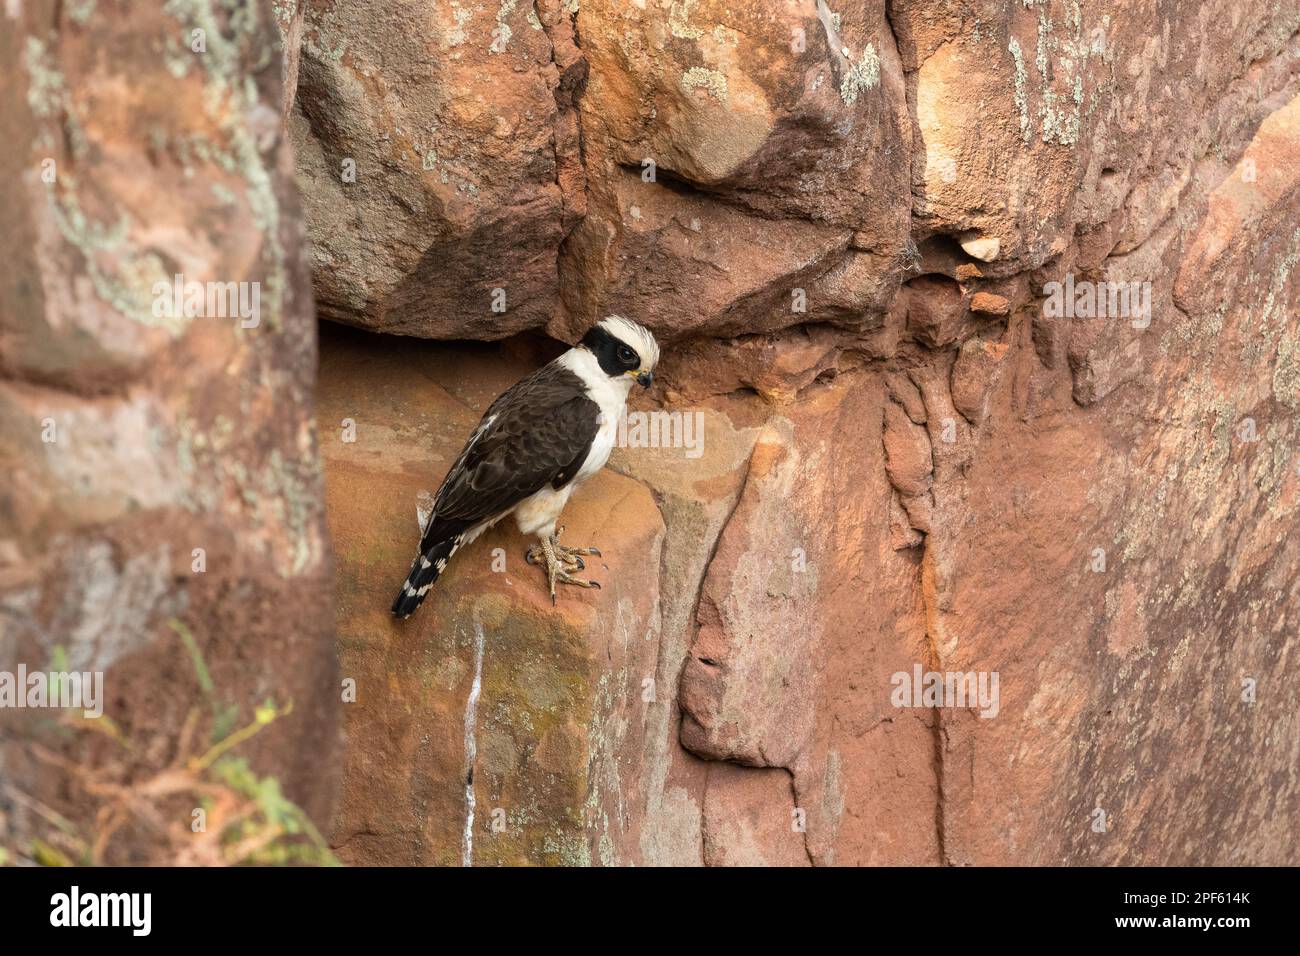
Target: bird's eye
{"x": 625, "y": 354}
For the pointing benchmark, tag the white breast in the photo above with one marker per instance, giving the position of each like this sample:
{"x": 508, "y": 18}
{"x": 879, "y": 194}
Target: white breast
{"x": 538, "y": 513}
{"x": 610, "y": 394}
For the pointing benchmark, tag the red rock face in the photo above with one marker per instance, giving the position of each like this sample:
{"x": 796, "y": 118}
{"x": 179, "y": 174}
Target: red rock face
{"x": 983, "y": 315}
{"x": 433, "y": 140}
{"x": 161, "y": 473}
{"x": 857, "y": 233}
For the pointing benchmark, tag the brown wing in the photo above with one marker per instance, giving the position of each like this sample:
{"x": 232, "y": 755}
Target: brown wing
{"x": 537, "y": 433}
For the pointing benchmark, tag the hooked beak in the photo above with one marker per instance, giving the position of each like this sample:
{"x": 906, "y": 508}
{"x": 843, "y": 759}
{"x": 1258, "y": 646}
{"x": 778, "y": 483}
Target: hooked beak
{"x": 645, "y": 379}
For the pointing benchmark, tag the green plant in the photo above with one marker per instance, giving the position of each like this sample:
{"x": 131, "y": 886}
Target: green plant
{"x": 207, "y": 807}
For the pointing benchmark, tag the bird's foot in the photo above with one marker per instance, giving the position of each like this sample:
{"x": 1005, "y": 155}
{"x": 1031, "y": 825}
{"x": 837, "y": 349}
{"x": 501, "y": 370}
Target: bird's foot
{"x": 561, "y": 562}
{"x": 571, "y": 558}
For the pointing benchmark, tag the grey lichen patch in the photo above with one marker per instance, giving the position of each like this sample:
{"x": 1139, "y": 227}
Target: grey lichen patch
{"x": 326, "y": 39}
{"x": 862, "y": 76}
{"x": 461, "y": 18}
{"x": 567, "y": 849}
{"x": 502, "y": 33}
{"x": 45, "y": 87}
{"x": 1021, "y": 80}
{"x": 121, "y": 277}
{"x": 176, "y": 57}
{"x": 282, "y": 497}
{"x": 1044, "y": 37}
{"x": 284, "y": 11}
{"x": 224, "y": 195}
{"x": 49, "y": 102}
{"x": 1135, "y": 533}
{"x": 1059, "y": 126}
{"x": 80, "y": 11}
{"x": 222, "y": 57}
{"x": 229, "y": 96}
{"x": 1061, "y": 109}
{"x": 698, "y": 77}
{"x": 679, "y": 25}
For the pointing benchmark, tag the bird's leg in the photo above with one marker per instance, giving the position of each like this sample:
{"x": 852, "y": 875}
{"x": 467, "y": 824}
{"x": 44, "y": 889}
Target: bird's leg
{"x": 561, "y": 562}
{"x": 570, "y": 557}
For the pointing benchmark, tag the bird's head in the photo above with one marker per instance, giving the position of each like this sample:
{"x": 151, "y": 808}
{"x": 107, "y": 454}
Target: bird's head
{"x": 623, "y": 349}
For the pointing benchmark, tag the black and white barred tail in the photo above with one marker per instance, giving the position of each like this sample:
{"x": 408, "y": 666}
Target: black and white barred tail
{"x": 425, "y": 570}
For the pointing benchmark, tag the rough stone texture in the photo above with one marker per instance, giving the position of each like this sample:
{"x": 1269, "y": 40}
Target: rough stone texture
{"x": 772, "y": 171}
{"x": 974, "y": 374}
{"x": 679, "y": 167}
{"x": 435, "y": 139}
{"x": 128, "y": 438}
{"x": 846, "y": 225}
{"x": 845, "y": 221}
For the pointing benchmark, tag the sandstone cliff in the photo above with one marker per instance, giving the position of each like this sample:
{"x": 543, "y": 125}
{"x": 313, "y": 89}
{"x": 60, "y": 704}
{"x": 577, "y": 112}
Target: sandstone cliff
{"x": 844, "y": 220}
{"x": 883, "y": 244}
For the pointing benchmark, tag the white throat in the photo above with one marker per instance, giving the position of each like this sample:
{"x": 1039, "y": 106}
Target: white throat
{"x": 609, "y": 393}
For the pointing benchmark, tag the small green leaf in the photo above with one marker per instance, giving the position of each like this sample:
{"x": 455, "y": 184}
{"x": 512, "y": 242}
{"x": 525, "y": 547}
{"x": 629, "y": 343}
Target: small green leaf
{"x": 47, "y": 855}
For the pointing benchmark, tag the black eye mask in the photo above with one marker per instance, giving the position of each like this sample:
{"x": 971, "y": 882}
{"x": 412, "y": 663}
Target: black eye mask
{"x": 606, "y": 348}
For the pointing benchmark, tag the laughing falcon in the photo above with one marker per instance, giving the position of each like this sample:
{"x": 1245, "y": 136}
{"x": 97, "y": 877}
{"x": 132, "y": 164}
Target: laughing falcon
{"x": 539, "y": 440}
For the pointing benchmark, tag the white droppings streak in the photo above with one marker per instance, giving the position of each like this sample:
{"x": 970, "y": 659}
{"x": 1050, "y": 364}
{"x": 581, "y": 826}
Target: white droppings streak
{"x": 471, "y": 744}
